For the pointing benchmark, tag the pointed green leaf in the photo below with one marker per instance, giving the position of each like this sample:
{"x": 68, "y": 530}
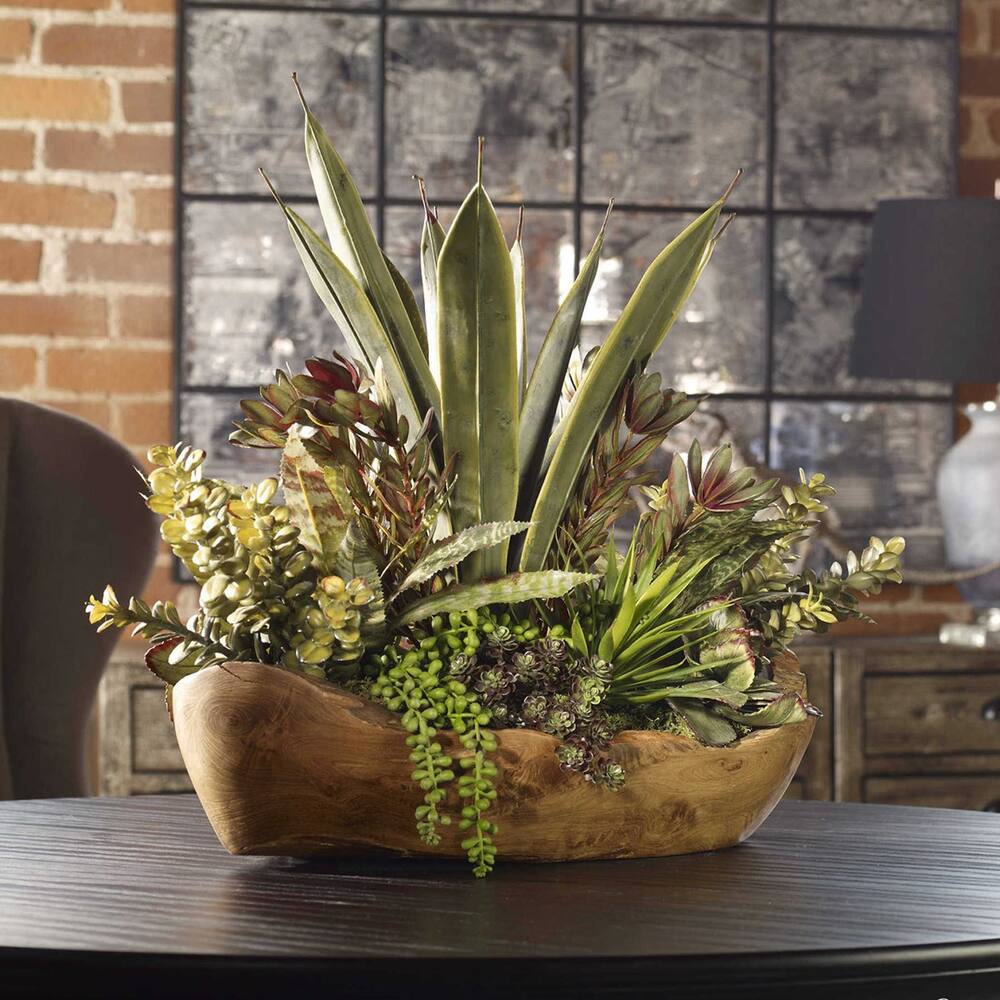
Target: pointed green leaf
{"x": 579, "y": 637}
{"x": 451, "y": 551}
{"x": 647, "y": 317}
{"x": 511, "y": 589}
{"x": 316, "y": 510}
{"x": 707, "y": 726}
{"x": 478, "y": 363}
{"x": 353, "y": 241}
{"x": 786, "y": 709}
{"x": 347, "y": 303}
{"x": 520, "y": 322}
{"x": 432, "y": 236}
{"x": 541, "y": 397}
{"x": 409, "y": 303}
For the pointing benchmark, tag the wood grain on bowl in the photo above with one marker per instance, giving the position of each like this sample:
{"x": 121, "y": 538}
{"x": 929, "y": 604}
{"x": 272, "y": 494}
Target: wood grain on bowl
{"x": 287, "y": 765}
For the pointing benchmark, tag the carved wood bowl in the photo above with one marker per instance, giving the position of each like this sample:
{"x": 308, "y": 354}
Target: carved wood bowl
{"x": 287, "y": 765}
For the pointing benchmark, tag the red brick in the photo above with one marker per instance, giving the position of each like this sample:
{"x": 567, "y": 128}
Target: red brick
{"x": 154, "y": 208}
{"x": 964, "y": 124}
{"x": 51, "y": 315}
{"x": 17, "y": 367}
{"x": 107, "y": 45}
{"x": 112, "y": 370}
{"x": 20, "y": 260}
{"x": 15, "y": 39}
{"x": 969, "y": 35}
{"x": 17, "y": 149}
{"x": 977, "y": 178}
{"x": 993, "y": 124}
{"x": 148, "y": 102}
{"x": 145, "y": 316}
{"x": 22, "y": 203}
{"x": 96, "y": 412}
{"x": 64, "y": 4}
{"x": 143, "y": 423}
{"x": 75, "y": 150}
{"x": 979, "y": 76}
{"x": 161, "y": 585}
{"x": 54, "y": 99}
{"x": 150, "y": 6}
{"x": 125, "y": 262}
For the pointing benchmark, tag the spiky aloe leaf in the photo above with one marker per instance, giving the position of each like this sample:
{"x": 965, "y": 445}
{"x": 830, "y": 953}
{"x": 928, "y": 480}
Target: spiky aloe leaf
{"x": 478, "y": 361}
{"x": 432, "y": 237}
{"x": 347, "y": 303}
{"x": 510, "y": 589}
{"x": 451, "y": 551}
{"x": 353, "y": 241}
{"x": 647, "y": 317}
{"x": 541, "y": 397}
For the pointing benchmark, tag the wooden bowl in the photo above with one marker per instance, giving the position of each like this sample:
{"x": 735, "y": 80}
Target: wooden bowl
{"x": 284, "y": 764}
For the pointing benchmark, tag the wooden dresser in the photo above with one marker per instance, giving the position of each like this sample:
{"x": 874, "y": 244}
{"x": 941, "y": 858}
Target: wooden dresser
{"x": 906, "y": 721}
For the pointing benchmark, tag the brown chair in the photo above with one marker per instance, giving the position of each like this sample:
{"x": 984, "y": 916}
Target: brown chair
{"x": 71, "y": 520}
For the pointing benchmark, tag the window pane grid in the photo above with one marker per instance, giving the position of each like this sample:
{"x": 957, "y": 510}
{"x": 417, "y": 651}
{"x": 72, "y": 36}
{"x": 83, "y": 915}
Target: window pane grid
{"x": 809, "y": 255}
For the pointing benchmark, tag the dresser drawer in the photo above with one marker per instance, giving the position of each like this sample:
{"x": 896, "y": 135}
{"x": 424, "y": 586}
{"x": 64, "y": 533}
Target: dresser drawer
{"x": 932, "y": 713}
{"x": 946, "y": 791}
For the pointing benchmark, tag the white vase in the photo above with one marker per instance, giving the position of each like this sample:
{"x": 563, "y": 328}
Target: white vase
{"x": 968, "y": 484}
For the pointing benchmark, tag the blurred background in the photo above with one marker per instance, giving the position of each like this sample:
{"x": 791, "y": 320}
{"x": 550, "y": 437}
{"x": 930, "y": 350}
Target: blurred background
{"x": 147, "y": 281}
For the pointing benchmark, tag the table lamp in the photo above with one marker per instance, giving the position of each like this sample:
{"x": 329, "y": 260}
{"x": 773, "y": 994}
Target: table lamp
{"x": 930, "y": 309}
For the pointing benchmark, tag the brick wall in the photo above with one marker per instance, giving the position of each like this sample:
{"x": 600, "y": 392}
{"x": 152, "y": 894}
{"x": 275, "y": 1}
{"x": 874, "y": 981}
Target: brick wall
{"x": 86, "y": 108}
{"x": 86, "y": 161}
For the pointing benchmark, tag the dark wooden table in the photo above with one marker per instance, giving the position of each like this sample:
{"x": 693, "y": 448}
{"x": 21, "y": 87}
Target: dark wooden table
{"x": 135, "y": 898}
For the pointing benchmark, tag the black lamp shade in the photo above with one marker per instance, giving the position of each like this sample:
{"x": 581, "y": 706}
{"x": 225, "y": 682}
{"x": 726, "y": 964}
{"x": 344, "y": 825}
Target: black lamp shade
{"x": 930, "y": 303}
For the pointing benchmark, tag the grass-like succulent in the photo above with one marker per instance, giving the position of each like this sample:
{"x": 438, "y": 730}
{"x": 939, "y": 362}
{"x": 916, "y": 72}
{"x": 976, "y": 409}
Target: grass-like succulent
{"x": 441, "y": 534}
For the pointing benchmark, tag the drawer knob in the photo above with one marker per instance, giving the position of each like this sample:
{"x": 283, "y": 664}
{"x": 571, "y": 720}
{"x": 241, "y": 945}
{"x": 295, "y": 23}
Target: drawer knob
{"x": 991, "y": 710}
{"x": 992, "y": 807}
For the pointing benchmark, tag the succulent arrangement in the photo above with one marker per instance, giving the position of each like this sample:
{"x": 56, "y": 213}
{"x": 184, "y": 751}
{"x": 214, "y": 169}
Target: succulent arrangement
{"x": 441, "y": 539}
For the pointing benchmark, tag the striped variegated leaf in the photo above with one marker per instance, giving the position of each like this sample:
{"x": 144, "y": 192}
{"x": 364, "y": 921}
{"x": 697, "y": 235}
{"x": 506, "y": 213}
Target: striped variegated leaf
{"x": 511, "y": 589}
{"x": 317, "y": 511}
{"x": 451, "y": 551}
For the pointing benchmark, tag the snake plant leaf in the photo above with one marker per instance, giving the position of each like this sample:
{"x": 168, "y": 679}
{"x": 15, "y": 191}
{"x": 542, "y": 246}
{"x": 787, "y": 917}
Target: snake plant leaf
{"x": 647, "y": 317}
{"x": 347, "y": 303}
{"x": 541, "y": 397}
{"x": 320, "y": 514}
{"x": 514, "y": 588}
{"x": 520, "y": 322}
{"x": 451, "y": 551}
{"x": 432, "y": 237}
{"x": 478, "y": 362}
{"x": 706, "y": 725}
{"x": 409, "y": 303}
{"x": 353, "y": 241}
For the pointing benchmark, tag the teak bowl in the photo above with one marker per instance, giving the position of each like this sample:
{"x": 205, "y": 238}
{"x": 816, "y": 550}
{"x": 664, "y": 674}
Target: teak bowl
{"x": 287, "y": 765}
